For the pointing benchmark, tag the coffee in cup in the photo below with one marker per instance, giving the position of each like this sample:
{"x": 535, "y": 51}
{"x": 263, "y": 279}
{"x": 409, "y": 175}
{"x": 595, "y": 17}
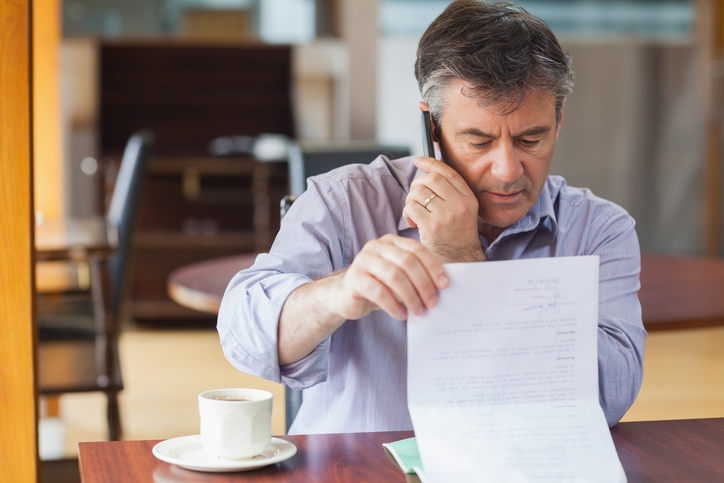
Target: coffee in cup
{"x": 235, "y": 423}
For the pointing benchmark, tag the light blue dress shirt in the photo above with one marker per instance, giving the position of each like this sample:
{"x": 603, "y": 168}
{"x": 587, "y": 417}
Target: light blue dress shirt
{"x": 356, "y": 379}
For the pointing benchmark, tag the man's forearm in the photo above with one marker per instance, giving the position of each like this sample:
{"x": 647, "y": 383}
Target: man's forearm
{"x": 306, "y": 320}
{"x": 391, "y": 273}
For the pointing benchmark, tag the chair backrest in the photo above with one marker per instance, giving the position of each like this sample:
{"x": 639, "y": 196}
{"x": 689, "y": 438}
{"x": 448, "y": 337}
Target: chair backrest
{"x": 123, "y": 210}
{"x": 310, "y": 160}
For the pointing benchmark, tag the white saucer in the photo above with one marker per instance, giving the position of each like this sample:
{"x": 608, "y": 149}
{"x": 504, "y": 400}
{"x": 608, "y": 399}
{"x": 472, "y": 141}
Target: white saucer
{"x": 188, "y": 452}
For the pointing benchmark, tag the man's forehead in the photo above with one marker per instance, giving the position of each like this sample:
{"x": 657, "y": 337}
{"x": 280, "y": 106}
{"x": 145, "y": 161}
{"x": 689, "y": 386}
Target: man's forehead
{"x": 501, "y": 103}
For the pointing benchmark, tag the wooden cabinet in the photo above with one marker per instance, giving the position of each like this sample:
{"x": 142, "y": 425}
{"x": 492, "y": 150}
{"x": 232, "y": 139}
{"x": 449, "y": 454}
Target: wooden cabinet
{"x": 195, "y": 206}
{"x": 190, "y": 93}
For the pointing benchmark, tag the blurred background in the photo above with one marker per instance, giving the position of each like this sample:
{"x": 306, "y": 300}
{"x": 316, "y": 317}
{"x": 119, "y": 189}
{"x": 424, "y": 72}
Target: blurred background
{"x": 642, "y": 129}
{"x": 635, "y": 127}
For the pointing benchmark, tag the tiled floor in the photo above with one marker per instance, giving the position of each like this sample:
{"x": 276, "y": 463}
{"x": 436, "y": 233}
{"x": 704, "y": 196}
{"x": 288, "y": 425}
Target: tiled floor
{"x": 164, "y": 370}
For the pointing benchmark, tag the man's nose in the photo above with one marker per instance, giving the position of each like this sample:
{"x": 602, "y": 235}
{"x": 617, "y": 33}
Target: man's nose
{"x": 506, "y": 164}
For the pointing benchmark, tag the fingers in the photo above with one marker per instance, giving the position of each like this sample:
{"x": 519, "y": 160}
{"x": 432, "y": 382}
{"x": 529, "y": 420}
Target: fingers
{"x": 440, "y": 191}
{"x": 422, "y": 195}
{"x": 371, "y": 289}
{"x": 445, "y": 210}
{"x": 432, "y": 265}
{"x": 421, "y": 201}
{"x": 390, "y": 289}
{"x": 428, "y": 200}
{"x": 420, "y": 267}
{"x": 415, "y": 214}
{"x": 418, "y": 201}
{"x": 440, "y": 178}
{"x": 398, "y": 275}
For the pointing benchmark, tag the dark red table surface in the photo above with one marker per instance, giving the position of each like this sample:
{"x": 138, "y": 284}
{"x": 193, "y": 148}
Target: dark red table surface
{"x": 653, "y": 451}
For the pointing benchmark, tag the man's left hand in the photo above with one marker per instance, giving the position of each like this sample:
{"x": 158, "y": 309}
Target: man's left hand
{"x": 442, "y": 206}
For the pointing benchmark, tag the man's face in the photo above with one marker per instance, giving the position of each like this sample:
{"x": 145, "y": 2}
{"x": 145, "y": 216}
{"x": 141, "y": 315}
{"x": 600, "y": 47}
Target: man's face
{"x": 504, "y": 158}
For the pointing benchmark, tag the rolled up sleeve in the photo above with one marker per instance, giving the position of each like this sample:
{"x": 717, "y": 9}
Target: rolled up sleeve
{"x": 306, "y": 248}
{"x": 248, "y": 320}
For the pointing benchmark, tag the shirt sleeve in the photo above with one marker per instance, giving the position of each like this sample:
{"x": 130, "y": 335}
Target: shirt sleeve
{"x": 305, "y": 248}
{"x": 621, "y": 332}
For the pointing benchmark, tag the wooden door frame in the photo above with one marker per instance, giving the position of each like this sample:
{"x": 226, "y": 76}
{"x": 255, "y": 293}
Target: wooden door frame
{"x": 18, "y": 383}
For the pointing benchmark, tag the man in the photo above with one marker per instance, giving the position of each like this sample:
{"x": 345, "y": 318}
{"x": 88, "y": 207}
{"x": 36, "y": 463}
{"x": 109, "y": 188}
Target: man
{"x": 325, "y": 310}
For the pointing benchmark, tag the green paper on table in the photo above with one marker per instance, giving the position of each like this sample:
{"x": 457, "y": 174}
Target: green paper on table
{"x": 405, "y": 454}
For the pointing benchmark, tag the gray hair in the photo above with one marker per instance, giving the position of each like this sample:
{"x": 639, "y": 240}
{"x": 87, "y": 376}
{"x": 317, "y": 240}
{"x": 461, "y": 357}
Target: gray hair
{"x": 499, "y": 49}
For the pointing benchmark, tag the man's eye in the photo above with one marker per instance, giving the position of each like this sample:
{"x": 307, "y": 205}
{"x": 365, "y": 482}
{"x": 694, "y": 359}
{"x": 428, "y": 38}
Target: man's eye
{"x": 529, "y": 142}
{"x": 480, "y": 145}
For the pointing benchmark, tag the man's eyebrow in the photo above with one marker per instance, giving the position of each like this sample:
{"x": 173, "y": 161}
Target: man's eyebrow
{"x": 473, "y": 131}
{"x": 533, "y": 131}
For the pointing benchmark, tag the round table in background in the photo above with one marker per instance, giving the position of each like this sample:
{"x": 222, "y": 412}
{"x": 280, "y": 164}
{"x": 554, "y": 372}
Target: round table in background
{"x": 200, "y": 286}
{"x": 676, "y": 292}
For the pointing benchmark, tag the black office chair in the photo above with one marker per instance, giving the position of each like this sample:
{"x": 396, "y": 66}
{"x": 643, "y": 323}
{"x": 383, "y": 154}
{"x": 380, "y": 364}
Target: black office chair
{"x": 311, "y": 159}
{"x": 307, "y": 160}
{"x": 78, "y": 333}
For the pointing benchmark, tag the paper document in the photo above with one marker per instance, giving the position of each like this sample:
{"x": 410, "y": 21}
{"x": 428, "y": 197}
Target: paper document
{"x": 503, "y": 375}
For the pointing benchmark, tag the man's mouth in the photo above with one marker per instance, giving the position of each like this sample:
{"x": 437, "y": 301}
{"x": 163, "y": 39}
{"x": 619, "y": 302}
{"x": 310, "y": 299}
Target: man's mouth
{"x": 503, "y": 196}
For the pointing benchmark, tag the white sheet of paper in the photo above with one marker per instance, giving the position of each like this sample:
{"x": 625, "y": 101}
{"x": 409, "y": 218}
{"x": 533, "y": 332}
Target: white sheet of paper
{"x": 503, "y": 375}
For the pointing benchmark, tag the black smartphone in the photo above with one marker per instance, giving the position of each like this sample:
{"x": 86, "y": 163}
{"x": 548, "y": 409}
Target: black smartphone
{"x": 428, "y": 147}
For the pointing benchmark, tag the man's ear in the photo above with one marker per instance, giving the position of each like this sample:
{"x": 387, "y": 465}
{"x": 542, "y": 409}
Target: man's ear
{"x": 560, "y": 121}
{"x": 424, "y": 107}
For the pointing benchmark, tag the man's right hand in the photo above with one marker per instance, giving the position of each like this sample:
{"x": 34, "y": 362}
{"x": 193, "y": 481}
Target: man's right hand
{"x": 392, "y": 273}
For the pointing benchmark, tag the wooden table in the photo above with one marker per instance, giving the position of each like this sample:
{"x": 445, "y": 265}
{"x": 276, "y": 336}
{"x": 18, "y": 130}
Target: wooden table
{"x": 676, "y": 292}
{"x": 686, "y": 450}
{"x": 200, "y": 286}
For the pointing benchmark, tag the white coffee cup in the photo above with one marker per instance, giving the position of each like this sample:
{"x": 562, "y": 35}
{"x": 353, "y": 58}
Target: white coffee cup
{"x": 235, "y": 423}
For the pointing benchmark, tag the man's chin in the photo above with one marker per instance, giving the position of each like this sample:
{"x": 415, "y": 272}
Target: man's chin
{"x": 499, "y": 220}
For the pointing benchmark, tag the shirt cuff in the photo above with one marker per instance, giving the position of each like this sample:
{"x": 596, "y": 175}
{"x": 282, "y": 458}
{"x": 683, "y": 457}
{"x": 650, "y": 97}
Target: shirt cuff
{"x": 308, "y": 371}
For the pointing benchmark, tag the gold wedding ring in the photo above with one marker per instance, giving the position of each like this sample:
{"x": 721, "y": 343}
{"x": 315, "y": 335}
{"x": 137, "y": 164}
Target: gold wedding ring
{"x": 427, "y": 201}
